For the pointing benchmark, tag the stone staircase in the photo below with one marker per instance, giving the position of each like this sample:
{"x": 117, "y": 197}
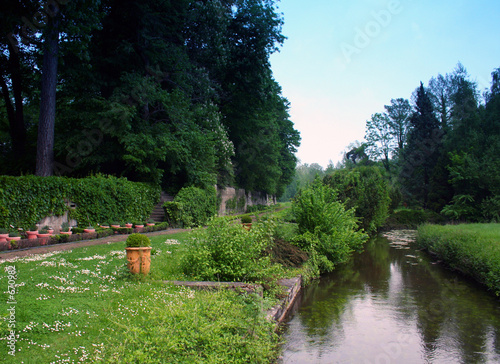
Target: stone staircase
{"x": 158, "y": 214}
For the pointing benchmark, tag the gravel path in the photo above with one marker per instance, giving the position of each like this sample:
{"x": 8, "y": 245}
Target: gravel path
{"x": 77, "y": 244}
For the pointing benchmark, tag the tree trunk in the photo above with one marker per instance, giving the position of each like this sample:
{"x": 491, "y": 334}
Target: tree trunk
{"x": 15, "y": 114}
{"x": 46, "y": 123}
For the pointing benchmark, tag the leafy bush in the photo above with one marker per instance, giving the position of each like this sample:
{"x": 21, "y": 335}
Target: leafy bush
{"x": 367, "y": 191}
{"x": 26, "y": 200}
{"x": 137, "y": 240}
{"x": 192, "y": 206}
{"x": 246, "y": 219}
{"x": 326, "y": 230}
{"x": 224, "y": 251}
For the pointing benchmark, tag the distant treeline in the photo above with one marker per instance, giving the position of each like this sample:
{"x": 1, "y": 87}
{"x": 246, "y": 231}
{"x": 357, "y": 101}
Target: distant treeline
{"x": 440, "y": 151}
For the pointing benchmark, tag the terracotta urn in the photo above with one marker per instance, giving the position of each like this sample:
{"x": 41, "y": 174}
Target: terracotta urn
{"x": 139, "y": 259}
{"x": 32, "y": 234}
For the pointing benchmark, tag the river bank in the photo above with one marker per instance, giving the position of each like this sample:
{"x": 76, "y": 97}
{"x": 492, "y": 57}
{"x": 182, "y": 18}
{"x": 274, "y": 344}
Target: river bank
{"x": 472, "y": 249}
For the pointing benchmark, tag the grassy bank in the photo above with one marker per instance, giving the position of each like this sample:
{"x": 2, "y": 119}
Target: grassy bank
{"x": 83, "y": 306}
{"x": 473, "y": 249}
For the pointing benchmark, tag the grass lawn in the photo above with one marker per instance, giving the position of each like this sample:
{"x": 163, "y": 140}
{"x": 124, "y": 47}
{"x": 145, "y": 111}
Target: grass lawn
{"x": 471, "y": 248}
{"x": 83, "y": 306}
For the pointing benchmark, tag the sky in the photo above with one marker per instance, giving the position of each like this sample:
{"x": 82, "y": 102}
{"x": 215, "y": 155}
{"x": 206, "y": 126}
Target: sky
{"x": 343, "y": 60}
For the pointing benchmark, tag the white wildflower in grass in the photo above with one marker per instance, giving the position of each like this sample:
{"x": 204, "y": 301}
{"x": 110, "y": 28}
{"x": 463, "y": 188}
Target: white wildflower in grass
{"x": 172, "y": 242}
{"x": 32, "y": 258}
{"x": 97, "y": 256}
{"x": 69, "y": 311}
{"x": 118, "y": 254}
{"x": 48, "y": 263}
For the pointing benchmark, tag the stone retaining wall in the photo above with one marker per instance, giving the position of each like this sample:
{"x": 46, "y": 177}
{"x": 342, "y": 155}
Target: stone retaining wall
{"x": 233, "y": 200}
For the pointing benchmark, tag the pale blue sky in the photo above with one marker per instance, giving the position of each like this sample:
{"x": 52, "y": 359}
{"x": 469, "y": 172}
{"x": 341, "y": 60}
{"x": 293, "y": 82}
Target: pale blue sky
{"x": 344, "y": 60}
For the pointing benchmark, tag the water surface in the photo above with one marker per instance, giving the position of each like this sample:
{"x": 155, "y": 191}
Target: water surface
{"x": 394, "y": 304}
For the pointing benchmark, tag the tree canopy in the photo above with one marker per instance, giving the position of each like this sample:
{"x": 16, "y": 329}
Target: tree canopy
{"x": 172, "y": 92}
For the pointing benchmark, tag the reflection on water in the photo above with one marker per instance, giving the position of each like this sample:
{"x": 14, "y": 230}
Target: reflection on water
{"x": 393, "y": 304}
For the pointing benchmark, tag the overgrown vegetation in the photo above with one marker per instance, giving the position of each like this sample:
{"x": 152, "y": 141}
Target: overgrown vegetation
{"x": 224, "y": 251}
{"x": 26, "y": 200}
{"x": 328, "y": 231}
{"x": 366, "y": 190}
{"x": 473, "y": 249}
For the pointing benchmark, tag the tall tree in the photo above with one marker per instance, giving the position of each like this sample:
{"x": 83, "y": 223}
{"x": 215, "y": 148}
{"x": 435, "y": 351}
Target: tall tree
{"x": 47, "y": 119}
{"x": 379, "y": 136}
{"x": 399, "y": 113}
{"x": 423, "y": 149}
{"x": 16, "y": 74}
{"x": 440, "y": 92}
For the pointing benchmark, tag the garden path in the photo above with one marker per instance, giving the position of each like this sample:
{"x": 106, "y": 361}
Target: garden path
{"x": 77, "y": 244}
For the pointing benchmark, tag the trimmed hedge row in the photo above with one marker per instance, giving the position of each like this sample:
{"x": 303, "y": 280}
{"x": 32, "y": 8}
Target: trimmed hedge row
{"x": 26, "y": 200}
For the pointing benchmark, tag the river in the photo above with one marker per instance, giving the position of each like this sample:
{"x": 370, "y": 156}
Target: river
{"x": 393, "y": 304}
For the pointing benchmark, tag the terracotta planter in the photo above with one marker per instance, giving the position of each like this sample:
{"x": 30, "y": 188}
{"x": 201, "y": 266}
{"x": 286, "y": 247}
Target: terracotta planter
{"x": 150, "y": 224}
{"x": 44, "y": 238}
{"x": 32, "y": 234}
{"x": 89, "y": 230}
{"x": 105, "y": 226}
{"x": 128, "y": 225}
{"x": 247, "y": 226}
{"x": 115, "y": 226}
{"x": 66, "y": 232}
{"x": 139, "y": 259}
{"x": 3, "y": 238}
{"x": 50, "y": 231}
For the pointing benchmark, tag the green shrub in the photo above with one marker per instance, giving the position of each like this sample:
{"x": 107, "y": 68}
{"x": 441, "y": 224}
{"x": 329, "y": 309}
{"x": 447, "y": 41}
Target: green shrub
{"x": 192, "y": 206}
{"x": 227, "y": 252}
{"x": 326, "y": 230}
{"x": 367, "y": 191}
{"x": 137, "y": 240}
{"x": 246, "y": 219}
{"x": 28, "y": 199}
{"x": 4, "y": 231}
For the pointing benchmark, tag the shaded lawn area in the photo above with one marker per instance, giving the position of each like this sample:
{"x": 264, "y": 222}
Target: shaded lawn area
{"x": 83, "y": 306}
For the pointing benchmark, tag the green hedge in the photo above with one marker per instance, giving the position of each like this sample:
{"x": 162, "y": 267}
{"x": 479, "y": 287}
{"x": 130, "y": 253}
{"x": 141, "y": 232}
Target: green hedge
{"x": 26, "y": 200}
{"x": 473, "y": 249}
{"x": 192, "y": 206}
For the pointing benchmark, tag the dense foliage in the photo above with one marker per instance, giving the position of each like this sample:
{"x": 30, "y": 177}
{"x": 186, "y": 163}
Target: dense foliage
{"x": 225, "y": 251}
{"x": 366, "y": 190}
{"x": 176, "y": 93}
{"x": 26, "y": 200}
{"x": 474, "y": 249}
{"x": 191, "y": 207}
{"x": 327, "y": 231}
